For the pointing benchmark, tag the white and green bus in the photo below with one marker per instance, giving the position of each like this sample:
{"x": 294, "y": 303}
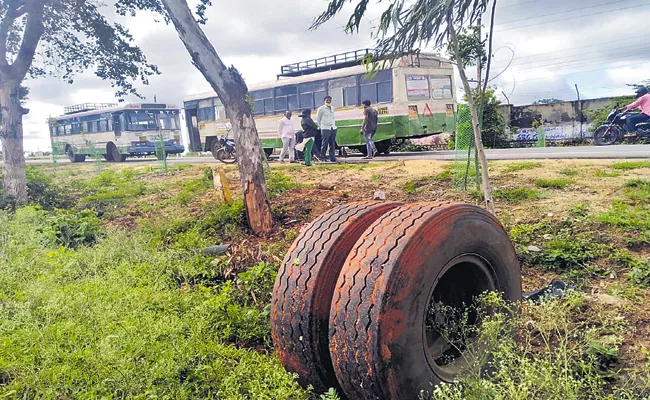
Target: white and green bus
{"x": 116, "y": 131}
{"x": 415, "y": 98}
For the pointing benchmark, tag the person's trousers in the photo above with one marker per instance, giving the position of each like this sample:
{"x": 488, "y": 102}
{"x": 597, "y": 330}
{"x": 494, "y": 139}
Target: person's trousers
{"x": 307, "y": 151}
{"x": 633, "y": 120}
{"x": 370, "y": 144}
{"x": 329, "y": 140}
{"x": 288, "y": 143}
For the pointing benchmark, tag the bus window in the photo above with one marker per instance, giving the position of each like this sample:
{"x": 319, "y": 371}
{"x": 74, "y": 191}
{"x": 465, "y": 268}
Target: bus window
{"x": 140, "y": 120}
{"x": 117, "y": 124}
{"x": 206, "y": 111}
{"x": 344, "y": 91}
{"x": 220, "y": 111}
{"x": 103, "y": 125}
{"x": 286, "y": 98}
{"x": 259, "y": 107}
{"x": 378, "y": 89}
{"x": 68, "y": 129}
{"x": 268, "y": 106}
{"x": 440, "y": 87}
{"x": 312, "y": 93}
{"x": 169, "y": 120}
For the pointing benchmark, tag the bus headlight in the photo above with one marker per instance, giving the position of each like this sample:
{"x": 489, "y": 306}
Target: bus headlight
{"x": 143, "y": 138}
{"x": 177, "y": 137}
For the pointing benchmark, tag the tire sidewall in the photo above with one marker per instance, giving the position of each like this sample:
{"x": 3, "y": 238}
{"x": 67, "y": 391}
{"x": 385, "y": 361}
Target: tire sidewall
{"x": 401, "y": 341}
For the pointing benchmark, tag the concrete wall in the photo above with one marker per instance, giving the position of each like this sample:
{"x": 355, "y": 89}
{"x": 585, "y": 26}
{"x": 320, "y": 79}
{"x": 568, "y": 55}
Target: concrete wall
{"x": 563, "y": 120}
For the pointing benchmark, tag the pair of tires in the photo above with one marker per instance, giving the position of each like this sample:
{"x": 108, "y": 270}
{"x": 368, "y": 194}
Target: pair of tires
{"x": 352, "y": 297}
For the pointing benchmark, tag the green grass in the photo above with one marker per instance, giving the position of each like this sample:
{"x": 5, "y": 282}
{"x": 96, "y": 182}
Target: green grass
{"x": 627, "y": 217}
{"x": 129, "y": 317}
{"x": 630, "y": 165}
{"x": 638, "y": 189}
{"x": 376, "y": 177}
{"x": 606, "y": 174}
{"x": 559, "y": 183}
{"x": 521, "y": 166}
{"x": 516, "y": 195}
{"x": 568, "y": 172}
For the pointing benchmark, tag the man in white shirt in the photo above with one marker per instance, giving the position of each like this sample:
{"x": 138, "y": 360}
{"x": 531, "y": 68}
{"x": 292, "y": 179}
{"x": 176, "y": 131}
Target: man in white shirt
{"x": 327, "y": 125}
{"x": 288, "y": 135}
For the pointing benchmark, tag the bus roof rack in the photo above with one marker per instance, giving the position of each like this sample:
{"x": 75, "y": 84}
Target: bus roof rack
{"x": 336, "y": 61}
{"x": 77, "y": 108}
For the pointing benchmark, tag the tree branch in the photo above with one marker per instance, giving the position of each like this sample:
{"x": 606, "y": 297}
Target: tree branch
{"x": 7, "y": 22}
{"x": 33, "y": 31}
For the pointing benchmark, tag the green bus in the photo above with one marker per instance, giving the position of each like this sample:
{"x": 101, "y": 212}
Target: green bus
{"x": 415, "y": 98}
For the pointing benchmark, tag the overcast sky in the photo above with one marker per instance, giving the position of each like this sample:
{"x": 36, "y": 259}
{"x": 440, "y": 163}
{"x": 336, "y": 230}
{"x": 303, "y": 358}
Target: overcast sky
{"x": 599, "y": 45}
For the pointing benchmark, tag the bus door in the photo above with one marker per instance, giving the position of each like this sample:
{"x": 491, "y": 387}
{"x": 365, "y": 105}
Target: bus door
{"x": 117, "y": 123}
{"x": 193, "y": 129}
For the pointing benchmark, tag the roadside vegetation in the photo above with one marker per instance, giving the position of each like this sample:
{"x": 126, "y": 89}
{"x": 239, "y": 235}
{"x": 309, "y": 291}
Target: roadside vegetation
{"x": 106, "y": 292}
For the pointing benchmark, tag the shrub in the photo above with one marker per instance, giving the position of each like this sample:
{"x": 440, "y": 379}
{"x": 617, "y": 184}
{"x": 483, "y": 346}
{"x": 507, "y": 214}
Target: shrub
{"x": 76, "y": 228}
{"x": 278, "y": 183}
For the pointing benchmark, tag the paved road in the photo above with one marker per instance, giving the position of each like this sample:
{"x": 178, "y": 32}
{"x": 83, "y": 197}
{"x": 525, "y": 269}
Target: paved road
{"x": 585, "y": 152}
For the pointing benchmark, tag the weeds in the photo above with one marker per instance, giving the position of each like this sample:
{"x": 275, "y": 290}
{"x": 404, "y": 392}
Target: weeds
{"x": 606, "y": 174}
{"x": 627, "y": 217}
{"x": 521, "y": 166}
{"x": 562, "y": 349}
{"x": 638, "y": 189}
{"x": 560, "y": 183}
{"x": 277, "y": 183}
{"x": 630, "y": 165}
{"x": 516, "y": 195}
{"x": 568, "y": 172}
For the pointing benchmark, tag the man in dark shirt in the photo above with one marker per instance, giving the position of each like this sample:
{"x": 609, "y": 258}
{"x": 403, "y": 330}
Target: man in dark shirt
{"x": 310, "y": 130}
{"x": 369, "y": 128}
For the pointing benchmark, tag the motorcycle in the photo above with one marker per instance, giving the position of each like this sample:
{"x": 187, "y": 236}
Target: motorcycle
{"x": 614, "y": 131}
{"x": 224, "y": 150}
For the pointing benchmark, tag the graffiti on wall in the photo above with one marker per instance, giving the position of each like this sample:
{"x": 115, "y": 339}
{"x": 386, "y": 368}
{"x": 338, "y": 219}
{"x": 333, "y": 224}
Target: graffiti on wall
{"x": 553, "y": 133}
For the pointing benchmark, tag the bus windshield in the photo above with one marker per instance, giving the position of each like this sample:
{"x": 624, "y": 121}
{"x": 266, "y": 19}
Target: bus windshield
{"x": 148, "y": 120}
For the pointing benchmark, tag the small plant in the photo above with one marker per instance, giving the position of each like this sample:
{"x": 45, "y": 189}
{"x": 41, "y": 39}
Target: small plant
{"x": 409, "y": 188}
{"x": 445, "y": 175}
{"x": 568, "y": 172}
{"x": 626, "y": 217}
{"x": 630, "y": 165}
{"x": 516, "y": 195}
{"x": 376, "y": 177}
{"x": 560, "y": 183}
{"x": 522, "y": 166}
{"x": 76, "y": 228}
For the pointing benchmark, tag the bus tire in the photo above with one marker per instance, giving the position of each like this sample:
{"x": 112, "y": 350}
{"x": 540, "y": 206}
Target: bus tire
{"x": 409, "y": 257}
{"x": 108, "y": 157}
{"x": 383, "y": 147}
{"x": 268, "y": 152}
{"x": 115, "y": 153}
{"x": 75, "y": 158}
{"x": 304, "y": 287}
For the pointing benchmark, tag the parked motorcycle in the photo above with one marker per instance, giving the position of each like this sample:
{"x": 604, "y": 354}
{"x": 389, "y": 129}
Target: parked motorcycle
{"x": 614, "y": 131}
{"x": 224, "y": 150}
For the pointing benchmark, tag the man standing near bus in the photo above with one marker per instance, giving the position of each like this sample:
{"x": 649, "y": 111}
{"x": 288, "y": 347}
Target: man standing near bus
{"x": 288, "y": 136}
{"x": 327, "y": 124}
{"x": 369, "y": 127}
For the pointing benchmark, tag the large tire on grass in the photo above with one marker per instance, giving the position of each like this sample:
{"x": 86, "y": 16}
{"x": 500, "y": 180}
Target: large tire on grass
{"x": 304, "y": 287}
{"x": 379, "y": 343}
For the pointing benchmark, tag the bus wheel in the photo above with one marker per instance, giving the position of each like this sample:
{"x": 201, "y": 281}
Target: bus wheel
{"x": 115, "y": 153}
{"x": 108, "y": 157}
{"x": 268, "y": 152}
{"x": 383, "y": 147}
{"x": 75, "y": 158}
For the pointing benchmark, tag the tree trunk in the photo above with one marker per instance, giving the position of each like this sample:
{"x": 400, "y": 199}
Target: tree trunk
{"x": 11, "y": 136}
{"x": 232, "y": 90}
{"x": 487, "y": 188}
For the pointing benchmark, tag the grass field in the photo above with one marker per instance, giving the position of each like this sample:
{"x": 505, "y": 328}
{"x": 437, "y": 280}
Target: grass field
{"x": 105, "y": 293}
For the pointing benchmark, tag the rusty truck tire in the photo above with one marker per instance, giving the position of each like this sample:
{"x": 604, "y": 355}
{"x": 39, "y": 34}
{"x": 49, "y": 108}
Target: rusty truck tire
{"x": 416, "y": 253}
{"x": 304, "y": 288}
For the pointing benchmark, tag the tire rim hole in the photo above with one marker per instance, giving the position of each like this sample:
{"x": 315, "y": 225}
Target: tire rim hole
{"x": 452, "y": 318}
